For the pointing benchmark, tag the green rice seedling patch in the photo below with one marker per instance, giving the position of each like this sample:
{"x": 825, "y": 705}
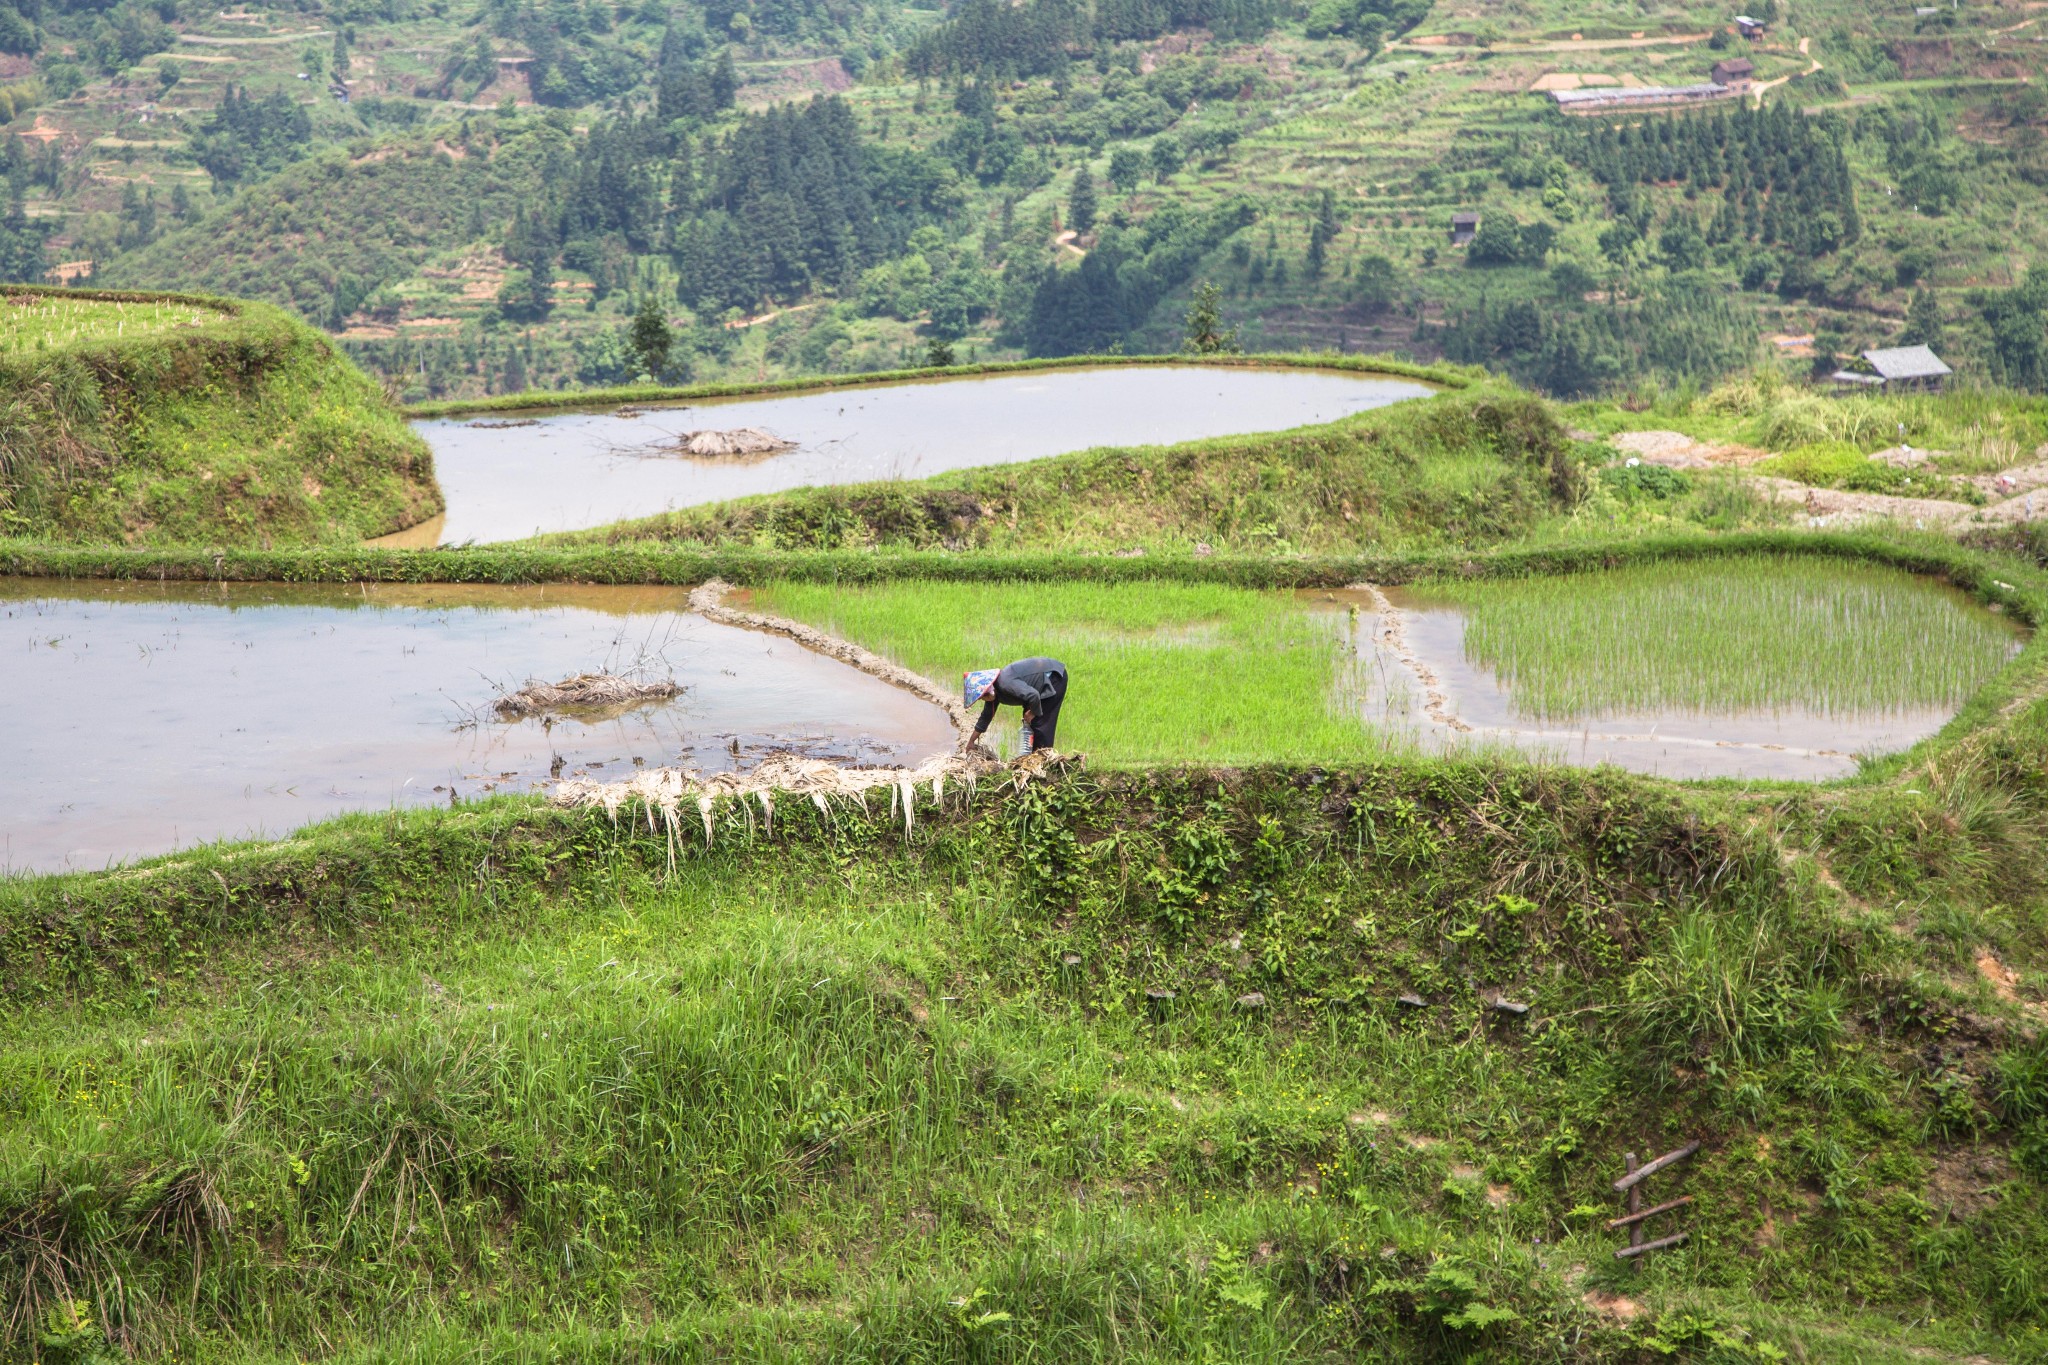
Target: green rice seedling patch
{"x": 44, "y": 321}
{"x": 1161, "y": 672}
{"x": 1766, "y": 634}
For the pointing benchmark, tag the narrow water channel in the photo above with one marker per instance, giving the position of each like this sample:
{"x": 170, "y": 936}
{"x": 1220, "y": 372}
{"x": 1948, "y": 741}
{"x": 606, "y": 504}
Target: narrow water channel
{"x": 509, "y": 475}
{"x": 148, "y": 717}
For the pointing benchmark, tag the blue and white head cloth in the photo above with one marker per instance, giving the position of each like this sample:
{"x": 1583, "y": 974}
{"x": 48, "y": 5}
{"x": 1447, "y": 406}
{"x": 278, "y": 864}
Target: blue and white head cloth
{"x": 973, "y": 684}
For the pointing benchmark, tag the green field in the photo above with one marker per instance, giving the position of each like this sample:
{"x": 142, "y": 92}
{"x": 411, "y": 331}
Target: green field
{"x": 134, "y": 427}
{"x": 1740, "y": 635}
{"x": 1163, "y": 673}
{"x": 37, "y": 322}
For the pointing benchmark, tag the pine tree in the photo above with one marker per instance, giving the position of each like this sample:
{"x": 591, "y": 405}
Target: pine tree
{"x": 1081, "y": 205}
{"x": 1320, "y": 233}
{"x": 1204, "y": 330}
{"x": 651, "y": 338}
{"x": 1923, "y": 320}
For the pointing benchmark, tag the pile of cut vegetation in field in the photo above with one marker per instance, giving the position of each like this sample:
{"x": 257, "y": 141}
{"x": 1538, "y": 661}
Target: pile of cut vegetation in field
{"x": 123, "y": 420}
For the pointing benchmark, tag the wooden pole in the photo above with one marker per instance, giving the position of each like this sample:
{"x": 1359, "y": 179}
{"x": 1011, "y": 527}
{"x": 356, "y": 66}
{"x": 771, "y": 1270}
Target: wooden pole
{"x": 1632, "y": 1182}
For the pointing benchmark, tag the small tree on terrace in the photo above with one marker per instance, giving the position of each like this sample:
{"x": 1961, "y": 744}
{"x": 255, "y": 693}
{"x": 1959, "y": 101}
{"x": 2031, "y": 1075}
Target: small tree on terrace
{"x": 1081, "y": 208}
{"x": 651, "y": 337}
{"x": 1206, "y": 334}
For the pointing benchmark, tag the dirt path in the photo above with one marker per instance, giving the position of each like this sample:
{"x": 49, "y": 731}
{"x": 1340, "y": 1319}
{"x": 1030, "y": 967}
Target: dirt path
{"x": 1560, "y": 44}
{"x": 254, "y": 42}
{"x": 1806, "y": 51}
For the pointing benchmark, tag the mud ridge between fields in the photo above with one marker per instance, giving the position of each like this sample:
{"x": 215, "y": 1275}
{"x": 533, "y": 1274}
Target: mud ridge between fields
{"x": 708, "y": 600}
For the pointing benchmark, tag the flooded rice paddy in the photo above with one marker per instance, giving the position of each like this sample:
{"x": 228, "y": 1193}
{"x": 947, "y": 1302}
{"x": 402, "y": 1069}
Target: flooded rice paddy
{"x": 506, "y": 476}
{"x": 148, "y": 717}
{"x": 1764, "y": 668}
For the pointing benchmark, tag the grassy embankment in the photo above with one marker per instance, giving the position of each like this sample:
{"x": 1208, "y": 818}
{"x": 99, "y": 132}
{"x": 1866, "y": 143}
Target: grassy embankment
{"x": 1474, "y": 467}
{"x": 160, "y": 419}
{"x": 1113, "y": 1069}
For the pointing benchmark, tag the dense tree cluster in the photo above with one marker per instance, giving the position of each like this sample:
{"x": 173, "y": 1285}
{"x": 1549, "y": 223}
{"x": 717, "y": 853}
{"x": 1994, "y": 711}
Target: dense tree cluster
{"x": 1092, "y": 307}
{"x": 1783, "y": 178}
{"x": 21, "y": 244}
{"x": 1568, "y": 348}
{"x": 247, "y": 137}
{"x": 793, "y": 199}
{"x": 689, "y": 82}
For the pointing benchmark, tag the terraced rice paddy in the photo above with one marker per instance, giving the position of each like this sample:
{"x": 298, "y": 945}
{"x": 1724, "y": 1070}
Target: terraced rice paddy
{"x": 1162, "y": 672}
{"x": 1757, "y": 635}
{"x": 42, "y": 322}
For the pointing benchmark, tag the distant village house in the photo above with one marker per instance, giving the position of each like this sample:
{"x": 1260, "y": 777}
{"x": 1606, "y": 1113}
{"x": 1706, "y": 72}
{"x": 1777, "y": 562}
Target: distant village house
{"x": 1748, "y": 27}
{"x": 1464, "y": 227}
{"x": 1897, "y": 367}
{"x": 1736, "y": 73}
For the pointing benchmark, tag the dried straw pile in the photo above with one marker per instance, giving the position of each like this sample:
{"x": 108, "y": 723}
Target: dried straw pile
{"x": 584, "y": 692}
{"x": 719, "y": 445}
{"x": 660, "y": 793}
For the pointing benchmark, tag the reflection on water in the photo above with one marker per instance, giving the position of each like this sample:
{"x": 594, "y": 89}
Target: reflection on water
{"x": 569, "y": 470}
{"x": 147, "y": 717}
{"x": 1789, "y": 742}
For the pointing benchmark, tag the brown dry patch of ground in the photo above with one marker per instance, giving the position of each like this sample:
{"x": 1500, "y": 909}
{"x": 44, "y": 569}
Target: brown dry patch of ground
{"x": 1676, "y": 450}
{"x": 1570, "y": 80}
{"x": 2005, "y": 982}
{"x": 1965, "y": 1181}
{"x": 1615, "y": 1306}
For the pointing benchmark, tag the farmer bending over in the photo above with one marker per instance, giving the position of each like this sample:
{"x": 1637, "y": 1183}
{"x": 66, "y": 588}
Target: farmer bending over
{"x": 1036, "y": 685}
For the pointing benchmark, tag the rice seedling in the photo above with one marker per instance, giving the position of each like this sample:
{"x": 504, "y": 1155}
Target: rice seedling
{"x": 36, "y": 322}
{"x": 1162, "y": 672}
{"x": 1768, "y": 634}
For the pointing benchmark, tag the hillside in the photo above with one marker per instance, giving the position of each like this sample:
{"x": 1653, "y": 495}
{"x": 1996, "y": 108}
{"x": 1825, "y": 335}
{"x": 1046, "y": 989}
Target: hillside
{"x": 1871, "y": 187}
{"x": 155, "y": 419}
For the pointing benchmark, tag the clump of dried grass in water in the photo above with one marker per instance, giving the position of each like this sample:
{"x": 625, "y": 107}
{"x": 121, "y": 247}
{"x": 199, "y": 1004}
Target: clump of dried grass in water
{"x": 584, "y": 692}
{"x": 660, "y": 793}
{"x": 740, "y": 441}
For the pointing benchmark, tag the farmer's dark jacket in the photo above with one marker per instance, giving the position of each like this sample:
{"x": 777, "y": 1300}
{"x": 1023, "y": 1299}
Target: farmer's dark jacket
{"x": 1031, "y": 683}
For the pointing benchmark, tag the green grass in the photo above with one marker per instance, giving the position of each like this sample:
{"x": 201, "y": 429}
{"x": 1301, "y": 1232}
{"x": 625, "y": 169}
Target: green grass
{"x": 1160, "y": 673}
{"x": 40, "y": 321}
{"x": 497, "y": 1079}
{"x": 1757, "y": 634}
{"x": 250, "y": 430}
{"x": 1470, "y": 467}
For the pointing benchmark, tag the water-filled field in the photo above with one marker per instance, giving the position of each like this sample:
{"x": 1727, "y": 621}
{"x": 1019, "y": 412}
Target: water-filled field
{"x": 507, "y": 475}
{"x": 147, "y": 717}
{"x": 1768, "y": 666}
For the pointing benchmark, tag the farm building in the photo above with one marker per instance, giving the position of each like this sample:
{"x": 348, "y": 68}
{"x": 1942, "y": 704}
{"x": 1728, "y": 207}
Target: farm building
{"x": 1464, "y": 227}
{"x": 1898, "y": 367}
{"x": 1607, "y": 98}
{"x": 1748, "y": 27}
{"x": 1736, "y": 73}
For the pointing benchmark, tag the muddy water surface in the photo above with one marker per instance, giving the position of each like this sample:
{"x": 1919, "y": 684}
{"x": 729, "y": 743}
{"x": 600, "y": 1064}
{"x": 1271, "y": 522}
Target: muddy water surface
{"x": 1787, "y": 742}
{"x": 564, "y": 471}
{"x": 149, "y": 717}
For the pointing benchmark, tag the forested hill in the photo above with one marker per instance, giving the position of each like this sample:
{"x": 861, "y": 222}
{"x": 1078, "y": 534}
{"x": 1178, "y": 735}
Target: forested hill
{"x": 489, "y": 193}
{"x": 781, "y": 203}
